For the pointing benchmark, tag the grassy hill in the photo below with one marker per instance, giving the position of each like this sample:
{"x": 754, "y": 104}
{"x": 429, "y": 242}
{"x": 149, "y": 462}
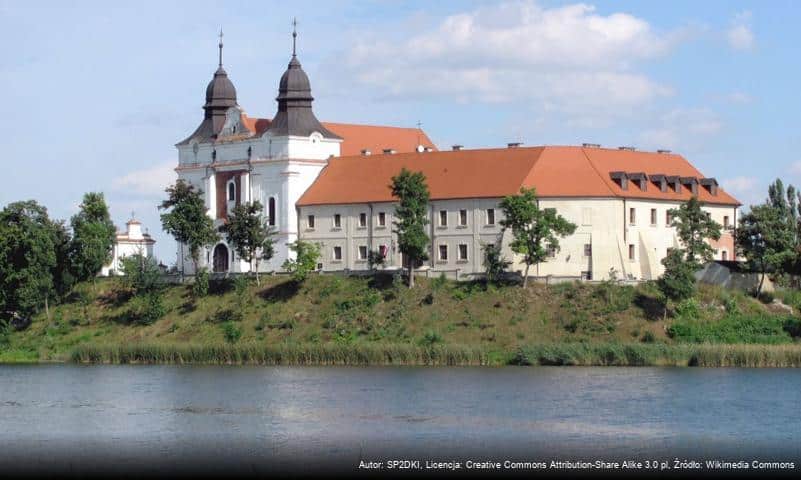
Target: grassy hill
{"x": 335, "y": 319}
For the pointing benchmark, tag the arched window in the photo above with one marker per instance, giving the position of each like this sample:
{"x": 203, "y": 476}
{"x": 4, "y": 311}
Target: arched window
{"x": 231, "y": 191}
{"x": 271, "y": 211}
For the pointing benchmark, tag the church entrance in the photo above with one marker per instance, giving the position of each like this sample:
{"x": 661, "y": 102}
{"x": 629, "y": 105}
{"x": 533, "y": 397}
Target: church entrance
{"x": 220, "y": 262}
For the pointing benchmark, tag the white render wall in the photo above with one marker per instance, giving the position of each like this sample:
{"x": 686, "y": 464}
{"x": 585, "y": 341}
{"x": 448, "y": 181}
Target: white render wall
{"x": 602, "y": 223}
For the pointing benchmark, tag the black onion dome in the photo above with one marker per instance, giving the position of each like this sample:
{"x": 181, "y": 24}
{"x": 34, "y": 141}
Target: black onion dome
{"x": 220, "y": 92}
{"x": 294, "y": 83}
{"x": 295, "y": 115}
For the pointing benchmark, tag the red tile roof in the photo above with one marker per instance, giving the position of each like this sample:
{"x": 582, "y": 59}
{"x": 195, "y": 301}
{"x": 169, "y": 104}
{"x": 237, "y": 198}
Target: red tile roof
{"x": 361, "y": 137}
{"x": 492, "y": 173}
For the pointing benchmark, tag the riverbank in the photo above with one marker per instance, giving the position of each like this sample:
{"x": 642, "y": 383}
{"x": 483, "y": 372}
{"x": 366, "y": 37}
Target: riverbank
{"x": 335, "y": 320}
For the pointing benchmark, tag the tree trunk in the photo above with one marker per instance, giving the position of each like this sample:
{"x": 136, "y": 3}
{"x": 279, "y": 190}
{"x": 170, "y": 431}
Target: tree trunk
{"x": 257, "y": 273}
{"x": 47, "y": 308}
{"x": 761, "y": 281}
{"x": 183, "y": 273}
{"x": 411, "y": 274}
{"x": 525, "y": 276}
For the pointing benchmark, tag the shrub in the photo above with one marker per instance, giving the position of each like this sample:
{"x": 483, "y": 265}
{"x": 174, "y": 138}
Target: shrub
{"x": 231, "y": 332}
{"x": 688, "y": 308}
{"x": 730, "y": 304}
{"x": 146, "y": 309}
{"x": 733, "y": 329}
{"x": 201, "y": 286}
{"x": 430, "y": 338}
{"x": 648, "y": 337}
{"x": 142, "y": 274}
{"x": 439, "y": 282}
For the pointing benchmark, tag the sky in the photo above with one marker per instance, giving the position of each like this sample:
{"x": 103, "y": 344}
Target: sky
{"x": 96, "y": 94}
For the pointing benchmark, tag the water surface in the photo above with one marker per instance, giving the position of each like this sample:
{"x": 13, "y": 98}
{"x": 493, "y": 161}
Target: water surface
{"x": 257, "y": 419}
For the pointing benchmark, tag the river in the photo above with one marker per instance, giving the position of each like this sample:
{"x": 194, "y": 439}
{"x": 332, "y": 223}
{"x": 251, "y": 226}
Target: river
{"x": 211, "y": 419}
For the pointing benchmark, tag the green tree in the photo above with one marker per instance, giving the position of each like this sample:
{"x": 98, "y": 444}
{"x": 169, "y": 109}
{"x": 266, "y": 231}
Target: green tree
{"x": 305, "y": 261}
{"x": 694, "y": 227}
{"x": 186, "y": 220}
{"x": 495, "y": 264}
{"x": 250, "y": 234}
{"x": 765, "y": 239}
{"x": 678, "y": 281}
{"x": 93, "y": 235}
{"x": 63, "y": 277}
{"x": 27, "y": 259}
{"x": 412, "y": 217}
{"x": 535, "y": 231}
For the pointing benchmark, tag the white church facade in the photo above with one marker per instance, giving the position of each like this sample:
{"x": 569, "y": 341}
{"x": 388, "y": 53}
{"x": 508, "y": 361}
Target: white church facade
{"x": 329, "y": 183}
{"x": 133, "y": 241}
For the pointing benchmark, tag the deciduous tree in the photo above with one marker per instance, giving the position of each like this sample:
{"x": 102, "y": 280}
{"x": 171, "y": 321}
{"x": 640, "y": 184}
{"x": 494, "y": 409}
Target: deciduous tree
{"x": 411, "y": 213}
{"x": 93, "y": 236}
{"x": 186, "y": 220}
{"x": 694, "y": 228}
{"x": 250, "y": 234}
{"x": 305, "y": 261}
{"x": 534, "y": 230}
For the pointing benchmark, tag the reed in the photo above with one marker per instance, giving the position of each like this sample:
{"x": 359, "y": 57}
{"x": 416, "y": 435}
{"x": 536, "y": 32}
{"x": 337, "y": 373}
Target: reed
{"x": 286, "y": 354}
{"x": 698, "y": 355}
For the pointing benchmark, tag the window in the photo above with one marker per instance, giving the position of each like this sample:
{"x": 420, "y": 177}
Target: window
{"x": 586, "y": 275}
{"x": 724, "y": 255}
{"x": 631, "y": 252}
{"x": 587, "y": 249}
{"x": 382, "y": 250}
{"x": 362, "y": 253}
{"x": 653, "y": 216}
{"x": 551, "y": 251}
{"x": 362, "y": 220}
{"x": 271, "y": 211}
{"x": 463, "y": 218}
{"x": 463, "y": 252}
{"x": 632, "y": 216}
{"x": 337, "y": 220}
{"x": 382, "y": 219}
{"x": 490, "y": 216}
{"x": 668, "y": 218}
{"x": 726, "y": 222}
{"x": 231, "y": 191}
{"x": 310, "y": 221}
{"x": 443, "y": 253}
{"x": 337, "y": 253}
{"x": 443, "y": 218}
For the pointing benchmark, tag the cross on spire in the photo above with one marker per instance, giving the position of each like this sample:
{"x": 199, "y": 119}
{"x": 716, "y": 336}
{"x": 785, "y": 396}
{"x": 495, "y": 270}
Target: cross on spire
{"x": 294, "y": 34}
{"x": 220, "y": 45}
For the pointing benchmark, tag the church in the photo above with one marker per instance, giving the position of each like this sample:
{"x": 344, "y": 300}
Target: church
{"x": 328, "y": 183}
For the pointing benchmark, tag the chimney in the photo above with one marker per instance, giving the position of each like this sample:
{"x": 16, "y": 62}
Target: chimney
{"x": 663, "y": 151}
{"x": 629, "y": 149}
{"x": 591, "y": 145}
{"x": 456, "y": 148}
{"x": 389, "y": 151}
{"x": 513, "y": 144}
{"x": 365, "y": 152}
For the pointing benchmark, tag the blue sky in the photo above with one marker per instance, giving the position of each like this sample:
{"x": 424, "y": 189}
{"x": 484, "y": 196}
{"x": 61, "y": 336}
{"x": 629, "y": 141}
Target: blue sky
{"x": 97, "y": 94}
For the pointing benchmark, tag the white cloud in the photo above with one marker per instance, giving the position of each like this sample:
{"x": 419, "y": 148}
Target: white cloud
{"x": 739, "y": 184}
{"x": 682, "y": 129}
{"x": 568, "y": 59}
{"x": 739, "y": 35}
{"x": 149, "y": 181}
{"x": 795, "y": 168}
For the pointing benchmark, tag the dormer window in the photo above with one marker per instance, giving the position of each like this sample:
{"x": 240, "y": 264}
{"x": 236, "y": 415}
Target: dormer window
{"x": 621, "y": 179}
{"x": 660, "y": 181}
{"x": 674, "y": 181}
{"x": 691, "y": 183}
{"x": 711, "y": 185}
{"x": 640, "y": 179}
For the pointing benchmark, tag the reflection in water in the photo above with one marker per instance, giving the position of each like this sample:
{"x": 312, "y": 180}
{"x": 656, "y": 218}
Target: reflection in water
{"x": 257, "y": 418}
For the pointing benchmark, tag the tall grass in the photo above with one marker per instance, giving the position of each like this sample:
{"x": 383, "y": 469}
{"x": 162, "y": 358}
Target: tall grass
{"x": 290, "y": 354}
{"x": 660, "y": 354}
{"x": 579, "y": 354}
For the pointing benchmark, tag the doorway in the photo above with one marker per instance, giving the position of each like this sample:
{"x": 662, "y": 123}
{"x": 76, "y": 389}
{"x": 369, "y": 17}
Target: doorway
{"x": 220, "y": 262}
